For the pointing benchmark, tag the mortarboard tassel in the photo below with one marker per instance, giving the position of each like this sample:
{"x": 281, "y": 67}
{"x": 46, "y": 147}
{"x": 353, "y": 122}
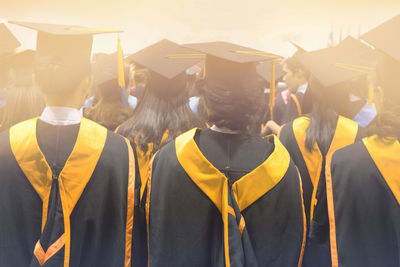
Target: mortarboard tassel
{"x": 121, "y": 74}
{"x": 272, "y": 90}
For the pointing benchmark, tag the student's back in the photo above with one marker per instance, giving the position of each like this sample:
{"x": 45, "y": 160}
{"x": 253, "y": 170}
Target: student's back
{"x": 363, "y": 178}
{"x": 67, "y": 184}
{"x": 225, "y": 196}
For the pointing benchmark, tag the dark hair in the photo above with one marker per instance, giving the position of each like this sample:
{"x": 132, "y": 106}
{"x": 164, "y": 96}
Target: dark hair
{"x": 155, "y": 114}
{"x": 235, "y": 108}
{"x": 140, "y": 76}
{"x": 323, "y": 119}
{"x": 21, "y": 104}
{"x": 108, "y": 110}
{"x": 293, "y": 64}
{"x": 387, "y": 122}
{"x": 59, "y": 78}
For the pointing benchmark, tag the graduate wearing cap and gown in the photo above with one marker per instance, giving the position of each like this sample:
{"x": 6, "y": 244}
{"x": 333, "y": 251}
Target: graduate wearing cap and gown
{"x": 363, "y": 179}
{"x": 111, "y": 108}
{"x": 162, "y": 114}
{"x": 66, "y": 183}
{"x": 264, "y": 70}
{"x": 288, "y": 103}
{"x": 312, "y": 146}
{"x": 221, "y": 196}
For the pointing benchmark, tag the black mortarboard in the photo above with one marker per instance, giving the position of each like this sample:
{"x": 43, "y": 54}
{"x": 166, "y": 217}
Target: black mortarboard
{"x": 105, "y": 68}
{"x": 70, "y": 46}
{"x": 233, "y": 66}
{"x": 299, "y": 50}
{"x": 264, "y": 70}
{"x": 345, "y": 62}
{"x": 348, "y": 63}
{"x": 167, "y": 63}
{"x": 227, "y": 63}
{"x": 386, "y": 37}
{"x": 8, "y": 42}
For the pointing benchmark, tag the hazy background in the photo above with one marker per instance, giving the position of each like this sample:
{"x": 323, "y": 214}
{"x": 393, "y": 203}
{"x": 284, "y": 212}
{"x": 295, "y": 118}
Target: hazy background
{"x": 261, "y": 24}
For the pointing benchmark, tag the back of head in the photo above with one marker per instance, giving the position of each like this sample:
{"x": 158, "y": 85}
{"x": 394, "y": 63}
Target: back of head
{"x": 156, "y": 113}
{"x": 387, "y": 121}
{"x": 109, "y": 110}
{"x": 22, "y": 104}
{"x": 234, "y": 105}
{"x": 59, "y": 74}
{"x": 324, "y": 104}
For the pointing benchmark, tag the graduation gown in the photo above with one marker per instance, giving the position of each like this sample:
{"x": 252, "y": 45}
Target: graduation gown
{"x": 363, "y": 201}
{"x": 217, "y": 199}
{"x": 283, "y": 113}
{"x": 311, "y": 166}
{"x": 142, "y": 167}
{"x": 66, "y": 194}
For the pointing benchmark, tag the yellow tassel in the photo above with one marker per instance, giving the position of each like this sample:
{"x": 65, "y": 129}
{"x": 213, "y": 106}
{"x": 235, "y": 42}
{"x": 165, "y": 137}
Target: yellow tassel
{"x": 272, "y": 89}
{"x": 121, "y": 74}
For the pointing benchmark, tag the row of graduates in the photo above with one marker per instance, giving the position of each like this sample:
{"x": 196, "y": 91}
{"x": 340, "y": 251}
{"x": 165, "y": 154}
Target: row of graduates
{"x": 223, "y": 196}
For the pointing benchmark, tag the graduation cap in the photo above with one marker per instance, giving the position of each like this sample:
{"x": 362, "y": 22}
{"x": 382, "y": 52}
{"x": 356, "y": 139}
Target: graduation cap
{"x": 331, "y": 66}
{"x": 231, "y": 65}
{"x": 386, "y": 37}
{"x": 299, "y": 50}
{"x": 105, "y": 68}
{"x": 67, "y": 45}
{"x": 350, "y": 61}
{"x": 264, "y": 70}
{"x": 8, "y": 42}
{"x": 167, "y": 63}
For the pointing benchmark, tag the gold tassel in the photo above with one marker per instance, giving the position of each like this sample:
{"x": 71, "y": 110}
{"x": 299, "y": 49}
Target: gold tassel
{"x": 272, "y": 89}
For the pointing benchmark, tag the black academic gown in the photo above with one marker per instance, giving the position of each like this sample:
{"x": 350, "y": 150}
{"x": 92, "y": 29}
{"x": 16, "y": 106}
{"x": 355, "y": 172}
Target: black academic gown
{"x": 216, "y": 199}
{"x": 66, "y": 195}
{"x": 286, "y": 112}
{"x": 311, "y": 166}
{"x": 363, "y": 201}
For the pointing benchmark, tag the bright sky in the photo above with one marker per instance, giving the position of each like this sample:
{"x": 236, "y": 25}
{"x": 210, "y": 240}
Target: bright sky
{"x": 262, "y": 24}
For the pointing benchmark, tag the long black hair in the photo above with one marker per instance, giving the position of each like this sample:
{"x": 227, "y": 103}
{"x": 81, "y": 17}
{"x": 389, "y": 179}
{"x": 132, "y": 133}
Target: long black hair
{"x": 323, "y": 116}
{"x": 157, "y": 112}
{"x": 387, "y": 122}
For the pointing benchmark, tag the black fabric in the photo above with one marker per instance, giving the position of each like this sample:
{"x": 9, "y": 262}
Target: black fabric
{"x": 186, "y": 228}
{"x": 284, "y": 113}
{"x": 317, "y": 252}
{"x": 56, "y": 143}
{"x": 139, "y": 239}
{"x": 289, "y": 141}
{"x": 275, "y": 223}
{"x": 97, "y": 221}
{"x": 233, "y": 154}
{"x": 21, "y": 210}
{"x": 366, "y": 212}
{"x": 176, "y": 201}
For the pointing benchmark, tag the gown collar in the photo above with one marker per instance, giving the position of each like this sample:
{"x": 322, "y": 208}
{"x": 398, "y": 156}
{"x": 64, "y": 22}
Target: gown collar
{"x": 61, "y": 116}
